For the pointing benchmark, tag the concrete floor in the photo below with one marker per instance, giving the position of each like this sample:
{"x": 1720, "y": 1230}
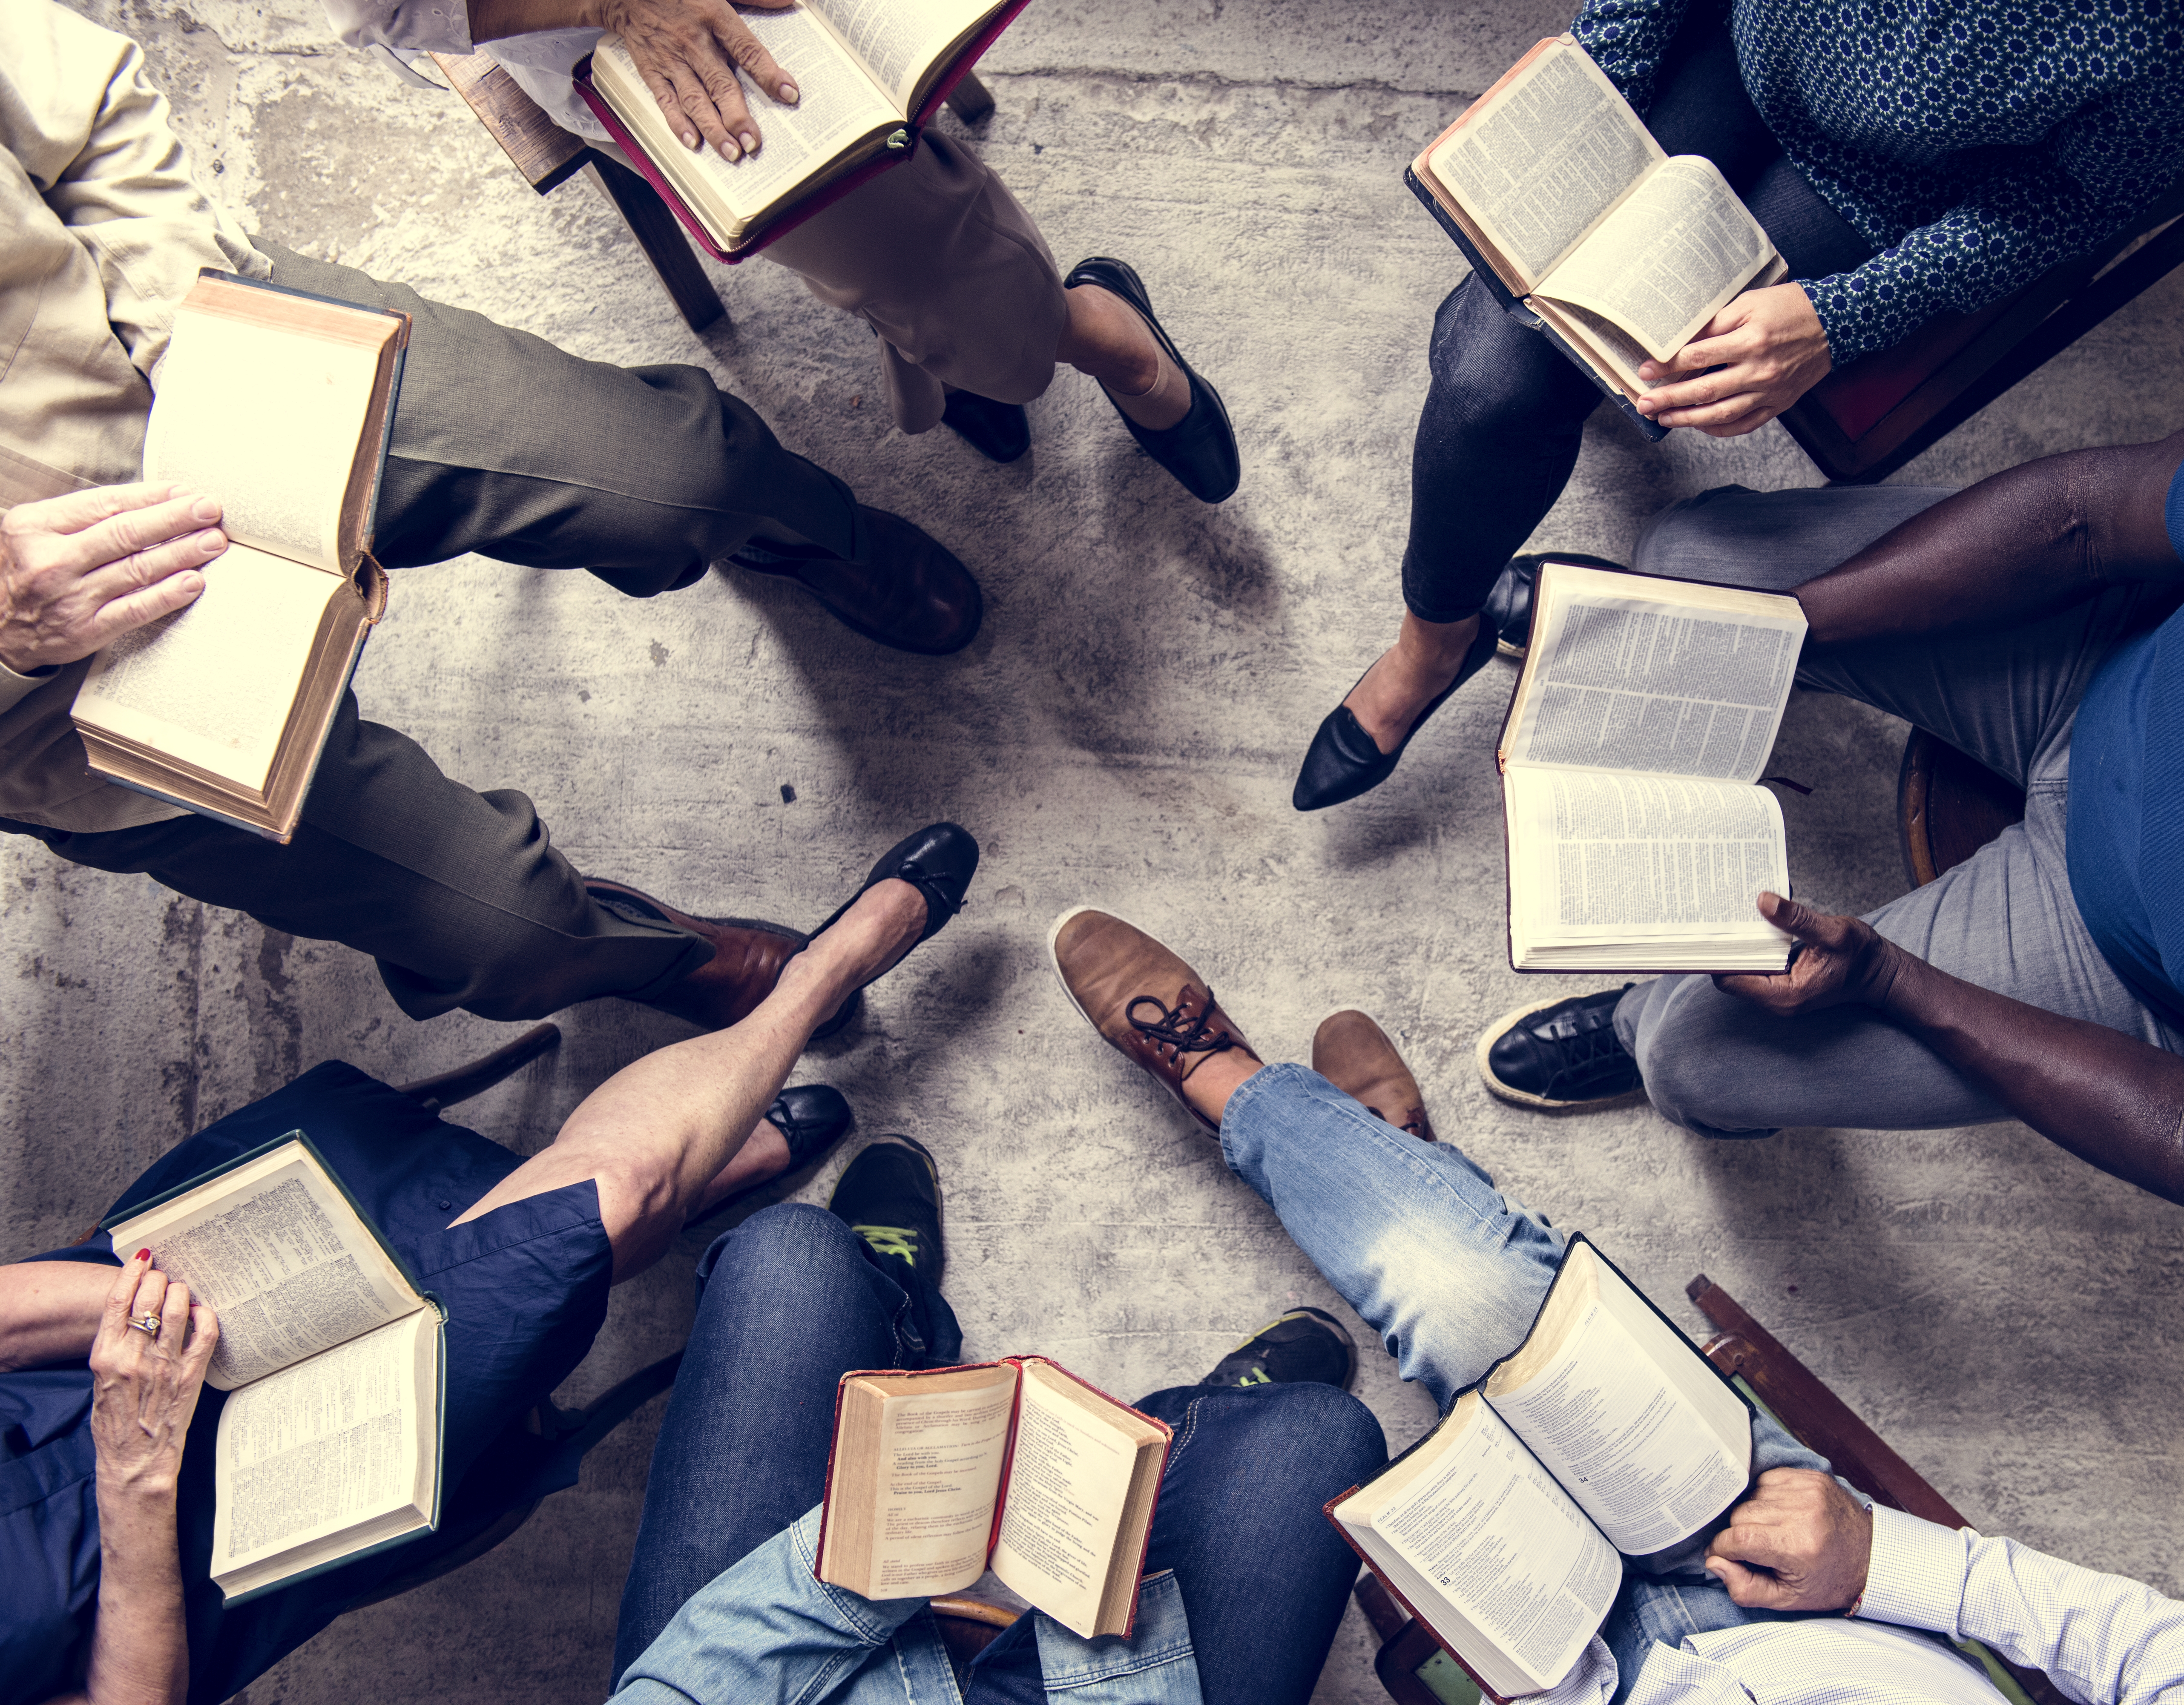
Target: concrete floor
{"x": 1125, "y": 731}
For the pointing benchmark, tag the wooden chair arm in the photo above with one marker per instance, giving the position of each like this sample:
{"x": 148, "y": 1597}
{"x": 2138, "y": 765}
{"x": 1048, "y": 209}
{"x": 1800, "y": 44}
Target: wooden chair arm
{"x": 540, "y": 149}
{"x": 973, "y": 1610}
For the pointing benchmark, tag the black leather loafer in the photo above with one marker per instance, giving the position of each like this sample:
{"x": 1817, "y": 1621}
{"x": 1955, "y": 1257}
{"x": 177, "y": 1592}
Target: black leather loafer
{"x": 938, "y": 861}
{"x": 1509, "y": 609}
{"x": 1344, "y": 760}
{"x": 998, "y": 431}
{"x": 1559, "y": 1054}
{"x": 1201, "y": 449}
{"x": 910, "y": 592}
{"x": 811, "y": 1118}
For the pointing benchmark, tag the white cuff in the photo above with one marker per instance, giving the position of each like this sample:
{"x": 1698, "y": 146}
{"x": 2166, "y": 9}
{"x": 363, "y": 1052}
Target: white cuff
{"x": 14, "y": 688}
{"x": 1916, "y": 1576}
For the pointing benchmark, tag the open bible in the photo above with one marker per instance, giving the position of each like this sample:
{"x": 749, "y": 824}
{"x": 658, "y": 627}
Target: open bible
{"x": 1604, "y": 1434}
{"x": 1014, "y": 1465}
{"x": 329, "y": 1442}
{"x": 278, "y": 404}
{"x": 868, "y": 74}
{"x": 1638, "y": 839}
{"x": 1581, "y": 225}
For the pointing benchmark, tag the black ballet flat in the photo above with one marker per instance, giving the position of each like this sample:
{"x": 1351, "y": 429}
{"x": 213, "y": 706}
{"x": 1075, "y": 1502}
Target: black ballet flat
{"x": 1509, "y": 609}
{"x": 1201, "y": 449}
{"x": 938, "y": 861}
{"x": 811, "y": 1118}
{"x": 998, "y": 431}
{"x": 1344, "y": 760}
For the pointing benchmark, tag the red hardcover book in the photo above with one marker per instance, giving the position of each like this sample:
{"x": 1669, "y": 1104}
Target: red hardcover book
{"x": 919, "y": 1468}
{"x": 893, "y": 150}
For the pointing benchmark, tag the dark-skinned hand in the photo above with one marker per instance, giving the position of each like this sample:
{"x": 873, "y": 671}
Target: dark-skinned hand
{"x": 687, "y": 51}
{"x": 1799, "y": 1542}
{"x": 1838, "y": 960}
{"x": 1749, "y": 362}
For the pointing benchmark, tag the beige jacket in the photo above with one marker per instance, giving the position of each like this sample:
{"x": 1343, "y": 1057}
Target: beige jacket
{"x": 104, "y": 231}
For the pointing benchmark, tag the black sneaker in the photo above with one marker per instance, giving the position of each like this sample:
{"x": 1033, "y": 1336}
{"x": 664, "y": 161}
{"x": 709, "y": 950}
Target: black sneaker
{"x": 1305, "y": 1344}
{"x": 1509, "y": 609}
{"x": 891, "y": 1196}
{"x": 1559, "y": 1054}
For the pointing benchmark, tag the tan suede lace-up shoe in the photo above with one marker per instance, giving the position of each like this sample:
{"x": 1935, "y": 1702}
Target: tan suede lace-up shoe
{"x": 1354, "y": 1053}
{"x": 1144, "y": 999}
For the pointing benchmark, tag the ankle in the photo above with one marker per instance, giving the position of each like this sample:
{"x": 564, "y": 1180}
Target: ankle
{"x": 1440, "y": 647}
{"x": 1209, "y": 1087}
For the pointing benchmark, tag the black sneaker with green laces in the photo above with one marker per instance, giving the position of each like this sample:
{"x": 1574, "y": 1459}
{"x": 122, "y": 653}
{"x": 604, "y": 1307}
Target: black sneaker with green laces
{"x": 1304, "y": 1344}
{"x": 891, "y": 1196}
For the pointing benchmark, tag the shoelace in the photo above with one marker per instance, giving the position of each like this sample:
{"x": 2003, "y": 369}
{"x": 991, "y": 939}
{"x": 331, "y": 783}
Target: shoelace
{"x": 890, "y": 1239}
{"x": 1582, "y": 1053}
{"x": 1170, "y": 1030}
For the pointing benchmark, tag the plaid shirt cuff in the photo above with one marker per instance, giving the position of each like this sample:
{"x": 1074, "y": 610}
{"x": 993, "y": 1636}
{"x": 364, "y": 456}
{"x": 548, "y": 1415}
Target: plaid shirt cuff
{"x": 1916, "y": 1578}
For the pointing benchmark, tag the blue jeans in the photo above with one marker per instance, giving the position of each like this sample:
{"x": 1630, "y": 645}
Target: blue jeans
{"x": 1450, "y": 1273}
{"x": 792, "y": 1301}
{"x": 1499, "y": 431}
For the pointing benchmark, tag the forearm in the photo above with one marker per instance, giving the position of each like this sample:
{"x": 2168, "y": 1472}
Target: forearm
{"x": 2109, "y": 1098}
{"x": 49, "y": 1309}
{"x": 140, "y": 1642}
{"x": 2012, "y": 548}
{"x": 494, "y": 20}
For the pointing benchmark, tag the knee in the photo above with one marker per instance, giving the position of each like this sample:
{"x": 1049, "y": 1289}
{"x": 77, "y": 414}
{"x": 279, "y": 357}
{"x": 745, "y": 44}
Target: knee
{"x": 1322, "y": 1426}
{"x": 1694, "y": 1059}
{"x": 1718, "y": 521}
{"x": 781, "y": 1245}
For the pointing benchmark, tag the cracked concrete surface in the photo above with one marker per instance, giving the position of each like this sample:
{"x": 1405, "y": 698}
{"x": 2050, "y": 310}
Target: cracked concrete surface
{"x": 1124, "y": 732}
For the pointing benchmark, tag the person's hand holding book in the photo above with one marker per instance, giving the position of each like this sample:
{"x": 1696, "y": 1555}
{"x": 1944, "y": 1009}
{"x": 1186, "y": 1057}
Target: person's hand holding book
{"x": 78, "y": 571}
{"x": 1801, "y": 1542}
{"x": 1838, "y": 961}
{"x": 1766, "y": 349}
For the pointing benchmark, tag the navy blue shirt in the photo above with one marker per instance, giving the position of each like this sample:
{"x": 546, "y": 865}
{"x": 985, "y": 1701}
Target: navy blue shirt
{"x": 2126, "y": 828}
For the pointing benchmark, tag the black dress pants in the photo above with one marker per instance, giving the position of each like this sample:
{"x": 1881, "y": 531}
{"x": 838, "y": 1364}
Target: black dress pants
{"x": 1500, "y": 432}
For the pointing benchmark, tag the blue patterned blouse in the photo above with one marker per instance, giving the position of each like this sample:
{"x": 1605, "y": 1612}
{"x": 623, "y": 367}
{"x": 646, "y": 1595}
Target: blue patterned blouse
{"x": 1975, "y": 142}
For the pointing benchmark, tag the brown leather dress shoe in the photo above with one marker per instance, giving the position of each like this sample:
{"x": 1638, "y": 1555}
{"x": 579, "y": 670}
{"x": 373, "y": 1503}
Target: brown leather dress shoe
{"x": 1355, "y": 1054}
{"x": 747, "y": 954}
{"x": 909, "y": 591}
{"x": 1143, "y": 998}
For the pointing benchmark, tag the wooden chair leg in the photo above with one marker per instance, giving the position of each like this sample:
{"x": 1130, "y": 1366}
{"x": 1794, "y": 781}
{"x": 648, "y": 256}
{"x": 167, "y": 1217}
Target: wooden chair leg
{"x": 663, "y": 242}
{"x": 970, "y": 99}
{"x": 482, "y": 1074}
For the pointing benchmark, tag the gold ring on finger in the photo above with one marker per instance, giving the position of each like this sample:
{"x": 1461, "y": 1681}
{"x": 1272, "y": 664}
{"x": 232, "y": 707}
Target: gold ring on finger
{"x": 148, "y": 1323}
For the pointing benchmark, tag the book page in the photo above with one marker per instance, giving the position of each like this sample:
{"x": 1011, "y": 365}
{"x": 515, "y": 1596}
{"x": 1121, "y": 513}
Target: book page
{"x": 1068, "y": 1486}
{"x": 283, "y": 1259}
{"x": 900, "y": 41}
{"x": 837, "y": 104}
{"x": 1651, "y": 1458}
{"x": 1494, "y": 1535}
{"x": 267, "y": 419}
{"x": 1666, "y": 261}
{"x": 1603, "y": 856}
{"x": 1628, "y": 683}
{"x": 1546, "y": 160}
{"x": 939, "y": 1477}
{"x": 326, "y": 1445}
{"x": 214, "y": 683}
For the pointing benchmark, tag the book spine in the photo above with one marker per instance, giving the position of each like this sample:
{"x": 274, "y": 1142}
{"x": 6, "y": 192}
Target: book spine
{"x": 1480, "y": 265}
{"x": 1455, "y": 1656}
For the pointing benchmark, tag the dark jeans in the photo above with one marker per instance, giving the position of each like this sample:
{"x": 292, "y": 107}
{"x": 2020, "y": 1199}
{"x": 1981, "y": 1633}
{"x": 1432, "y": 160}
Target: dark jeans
{"x": 504, "y": 445}
{"x": 1499, "y": 431}
{"x": 791, "y": 1301}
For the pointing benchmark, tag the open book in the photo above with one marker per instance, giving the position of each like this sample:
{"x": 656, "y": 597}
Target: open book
{"x": 1015, "y": 1465}
{"x": 1638, "y": 839}
{"x": 329, "y": 1443}
{"x": 1605, "y": 1435}
{"x": 1571, "y": 214}
{"x": 868, "y": 74}
{"x": 278, "y": 404}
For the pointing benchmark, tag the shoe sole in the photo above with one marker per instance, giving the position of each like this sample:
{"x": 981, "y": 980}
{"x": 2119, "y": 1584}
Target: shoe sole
{"x": 1525, "y": 1098}
{"x": 1504, "y": 648}
{"x": 1054, "y": 958}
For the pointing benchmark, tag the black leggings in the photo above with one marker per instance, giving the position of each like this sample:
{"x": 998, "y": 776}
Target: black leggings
{"x": 1500, "y": 432}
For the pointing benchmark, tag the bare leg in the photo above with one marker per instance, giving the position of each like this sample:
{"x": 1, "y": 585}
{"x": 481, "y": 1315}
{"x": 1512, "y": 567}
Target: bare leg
{"x": 762, "y": 1159}
{"x": 661, "y": 1132}
{"x": 1211, "y": 1085}
{"x": 1422, "y": 660}
{"x": 1105, "y": 337}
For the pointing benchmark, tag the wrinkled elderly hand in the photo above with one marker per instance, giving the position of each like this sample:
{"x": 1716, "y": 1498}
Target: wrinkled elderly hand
{"x": 144, "y": 1386}
{"x": 77, "y": 572}
{"x": 1838, "y": 960}
{"x": 687, "y": 51}
{"x": 1769, "y": 349}
{"x": 1800, "y": 1542}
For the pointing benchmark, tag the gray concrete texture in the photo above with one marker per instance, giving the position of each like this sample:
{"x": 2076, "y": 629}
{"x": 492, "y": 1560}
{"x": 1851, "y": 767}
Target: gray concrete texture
{"x": 1124, "y": 732}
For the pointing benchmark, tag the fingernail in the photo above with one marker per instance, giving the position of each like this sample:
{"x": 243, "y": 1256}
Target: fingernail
{"x": 204, "y": 508}
{"x": 750, "y": 144}
{"x": 211, "y": 540}
{"x": 689, "y": 139}
{"x": 143, "y": 1254}
{"x": 787, "y": 93}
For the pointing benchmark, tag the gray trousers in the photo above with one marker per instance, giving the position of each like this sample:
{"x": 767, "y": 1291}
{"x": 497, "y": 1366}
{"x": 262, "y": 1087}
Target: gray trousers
{"x": 2004, "y": 919}
{"x": 507, "y": 445}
